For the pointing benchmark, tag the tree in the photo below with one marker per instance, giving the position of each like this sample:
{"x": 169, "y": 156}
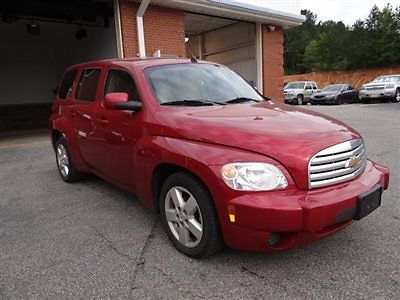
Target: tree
{"x": 373, "y": 42}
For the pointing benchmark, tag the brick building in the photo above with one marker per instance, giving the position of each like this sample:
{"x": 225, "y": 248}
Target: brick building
{"x": 40, "y": 38}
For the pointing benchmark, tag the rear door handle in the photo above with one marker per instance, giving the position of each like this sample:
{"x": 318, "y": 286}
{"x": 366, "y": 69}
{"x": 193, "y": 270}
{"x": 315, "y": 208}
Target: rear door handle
{"x": 72, "y": 113}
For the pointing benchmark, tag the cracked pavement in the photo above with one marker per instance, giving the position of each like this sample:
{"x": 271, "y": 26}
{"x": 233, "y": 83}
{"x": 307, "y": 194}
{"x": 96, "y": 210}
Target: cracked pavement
{"x": 93, "y": 240}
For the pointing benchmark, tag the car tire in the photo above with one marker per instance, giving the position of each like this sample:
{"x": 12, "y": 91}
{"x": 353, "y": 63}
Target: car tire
{"x": 65, "y": 165}
{"x": 300, "y": 100}
{"x": 396, "y": 98}
{"x": 339, "y": 101}
{"x": 189, "y": 217}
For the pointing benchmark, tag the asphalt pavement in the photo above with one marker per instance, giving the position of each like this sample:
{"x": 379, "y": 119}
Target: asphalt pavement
{"x": 93, "y": 240}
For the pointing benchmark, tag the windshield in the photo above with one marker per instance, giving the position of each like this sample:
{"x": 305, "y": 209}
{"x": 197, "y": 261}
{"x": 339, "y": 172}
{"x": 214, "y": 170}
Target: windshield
{"x": 196, "y": 82}
{"x": 387, "y": 79}
{"x": 332, "y": 87}
{"x": 294, "y": 85}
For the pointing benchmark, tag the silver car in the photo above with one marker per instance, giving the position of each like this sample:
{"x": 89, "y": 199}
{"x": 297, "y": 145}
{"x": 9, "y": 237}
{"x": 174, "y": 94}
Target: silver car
{"x": 299, "y": 92}
{"x": 383, "y": 87}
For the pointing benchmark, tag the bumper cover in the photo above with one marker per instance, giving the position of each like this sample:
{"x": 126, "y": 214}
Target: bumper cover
{"x": 374, "y": 94}
{"x": 303, "y": 216}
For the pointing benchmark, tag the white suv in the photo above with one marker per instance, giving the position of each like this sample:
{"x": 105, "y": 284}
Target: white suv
{"x": 299, "y": 92}
{"x": 382, "y": 87}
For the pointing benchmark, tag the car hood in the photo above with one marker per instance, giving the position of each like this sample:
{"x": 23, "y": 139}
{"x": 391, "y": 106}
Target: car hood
{"x": 372, "y": 84}
{"x": 289, "y": 135}
{"x": 292, "y": 90}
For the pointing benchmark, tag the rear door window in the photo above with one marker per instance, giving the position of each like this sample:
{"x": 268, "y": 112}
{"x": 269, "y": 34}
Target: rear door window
{"x": 87, "y": 85}
{"x": 66, "y": 84}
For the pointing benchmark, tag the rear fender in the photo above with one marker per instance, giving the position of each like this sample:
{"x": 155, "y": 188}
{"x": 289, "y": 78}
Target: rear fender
{"x": 65, "y": 126}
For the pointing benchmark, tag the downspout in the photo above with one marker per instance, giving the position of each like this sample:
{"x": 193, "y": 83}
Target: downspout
{"x": 118, "y": 31}
{"x": 259, "y": 58}
{"x": 140, "y": 29}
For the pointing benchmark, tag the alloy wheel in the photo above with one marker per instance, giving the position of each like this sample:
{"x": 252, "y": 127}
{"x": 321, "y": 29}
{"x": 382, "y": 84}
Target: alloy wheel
{"x": 397, "y": 97}
{"x": 62, "y": 160}
{"x": 183, "y": 216}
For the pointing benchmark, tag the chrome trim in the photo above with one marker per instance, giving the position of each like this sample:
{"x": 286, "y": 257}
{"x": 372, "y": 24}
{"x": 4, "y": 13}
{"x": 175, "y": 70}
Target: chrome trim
{"x": 328, "y": 166}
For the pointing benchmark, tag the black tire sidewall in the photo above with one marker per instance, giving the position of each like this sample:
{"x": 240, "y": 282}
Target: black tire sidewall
{"x": 207, "y": 245}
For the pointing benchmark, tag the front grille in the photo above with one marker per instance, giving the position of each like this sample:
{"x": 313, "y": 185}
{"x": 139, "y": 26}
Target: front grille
{"x": 339, "y": 163}
{"x": 376, "y": 87}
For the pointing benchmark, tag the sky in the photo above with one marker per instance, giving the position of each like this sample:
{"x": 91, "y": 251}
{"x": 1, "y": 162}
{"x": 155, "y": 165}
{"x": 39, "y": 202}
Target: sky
{"x": 347, "y": 11}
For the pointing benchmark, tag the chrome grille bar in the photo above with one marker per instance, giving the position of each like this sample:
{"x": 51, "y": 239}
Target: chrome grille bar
{"x": 336, "y": 164}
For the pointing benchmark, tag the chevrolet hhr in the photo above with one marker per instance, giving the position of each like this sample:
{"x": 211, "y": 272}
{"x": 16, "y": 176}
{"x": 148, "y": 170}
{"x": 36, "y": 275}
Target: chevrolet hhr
{"x": 219, "y": 162}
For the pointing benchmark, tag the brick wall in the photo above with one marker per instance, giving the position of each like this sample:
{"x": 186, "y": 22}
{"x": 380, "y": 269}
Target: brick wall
{"x": 273, "y": 74}
{"x": 164, "y": 30}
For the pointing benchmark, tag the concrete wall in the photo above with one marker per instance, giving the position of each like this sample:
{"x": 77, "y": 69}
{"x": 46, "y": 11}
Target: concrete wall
{"x": 31, "y": 65}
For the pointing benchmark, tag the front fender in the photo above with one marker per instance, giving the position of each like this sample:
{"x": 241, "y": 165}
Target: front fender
{"x": 202, "y": 159}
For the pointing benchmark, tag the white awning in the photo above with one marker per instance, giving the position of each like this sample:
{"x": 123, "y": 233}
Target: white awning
{"x": 235, "y": 10}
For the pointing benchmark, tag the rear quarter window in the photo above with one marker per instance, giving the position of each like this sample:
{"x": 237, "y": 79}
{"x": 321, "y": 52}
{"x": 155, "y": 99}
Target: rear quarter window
{"x": 66, "y": 84}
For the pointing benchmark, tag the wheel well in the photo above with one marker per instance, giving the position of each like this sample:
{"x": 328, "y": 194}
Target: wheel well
{"x": 160, "y": 174}
{"x": 55, "y": 135}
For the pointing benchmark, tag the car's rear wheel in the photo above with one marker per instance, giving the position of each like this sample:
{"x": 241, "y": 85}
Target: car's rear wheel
{"x": 65, "y": 164}
{"x": 300, "y": 99}
{"x": 188, "y": 216}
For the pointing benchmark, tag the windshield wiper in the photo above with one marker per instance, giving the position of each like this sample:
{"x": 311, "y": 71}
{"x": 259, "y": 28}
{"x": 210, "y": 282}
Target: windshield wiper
{"x": 241, "y": 100}
{"x": 193, "y": 102}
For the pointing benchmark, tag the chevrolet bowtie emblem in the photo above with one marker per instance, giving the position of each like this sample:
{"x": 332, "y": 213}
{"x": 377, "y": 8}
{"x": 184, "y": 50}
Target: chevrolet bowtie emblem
{"x": 352, "y": 162}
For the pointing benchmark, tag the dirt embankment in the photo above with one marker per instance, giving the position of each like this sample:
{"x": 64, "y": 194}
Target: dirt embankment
{"x": 356, "y": 78}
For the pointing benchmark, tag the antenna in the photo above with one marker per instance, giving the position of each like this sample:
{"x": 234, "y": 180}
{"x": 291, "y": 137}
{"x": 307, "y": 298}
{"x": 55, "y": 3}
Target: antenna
{"x": 193, "y": 58}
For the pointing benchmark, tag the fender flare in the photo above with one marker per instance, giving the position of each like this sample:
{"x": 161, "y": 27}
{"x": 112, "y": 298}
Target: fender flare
{"x": 65, "y": 126}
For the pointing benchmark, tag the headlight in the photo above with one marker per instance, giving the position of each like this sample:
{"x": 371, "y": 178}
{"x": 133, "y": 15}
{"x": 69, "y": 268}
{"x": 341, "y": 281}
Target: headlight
{"x": 253, "y": 176}
{"x": 389, "y": 86}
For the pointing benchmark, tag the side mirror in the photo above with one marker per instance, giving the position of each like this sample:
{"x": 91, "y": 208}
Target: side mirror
{"x": 120, "y": 101}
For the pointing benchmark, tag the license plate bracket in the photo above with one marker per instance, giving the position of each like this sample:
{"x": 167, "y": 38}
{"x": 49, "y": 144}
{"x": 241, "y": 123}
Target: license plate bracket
{"x": 368, "y": 202}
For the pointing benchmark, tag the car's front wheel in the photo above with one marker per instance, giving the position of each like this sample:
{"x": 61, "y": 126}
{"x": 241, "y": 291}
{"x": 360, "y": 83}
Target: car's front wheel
{"x": 188, "y": 216}
{"x": 397, "y": 96}
{"x": 300, "y": 99}
{"x": 65, "y": 164}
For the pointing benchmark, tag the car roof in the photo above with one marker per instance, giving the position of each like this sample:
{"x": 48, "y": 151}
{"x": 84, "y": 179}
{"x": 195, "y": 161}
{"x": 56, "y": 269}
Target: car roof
{"x": 140, "y": 62}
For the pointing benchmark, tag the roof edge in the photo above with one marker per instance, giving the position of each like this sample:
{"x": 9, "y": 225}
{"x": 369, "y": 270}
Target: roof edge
{"x": 235, "y": 10}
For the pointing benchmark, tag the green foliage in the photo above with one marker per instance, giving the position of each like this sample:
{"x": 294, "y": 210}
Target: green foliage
{"x": 328, "y": 46}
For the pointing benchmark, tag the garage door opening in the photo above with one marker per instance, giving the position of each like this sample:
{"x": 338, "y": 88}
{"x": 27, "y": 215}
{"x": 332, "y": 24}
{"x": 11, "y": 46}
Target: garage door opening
{"x": 229, "y": 42}
{"x": 39, "y": 39}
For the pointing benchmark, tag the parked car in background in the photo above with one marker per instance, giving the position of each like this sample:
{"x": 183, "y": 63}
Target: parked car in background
{"x": 299, "y": 92}
{"x": 383, "y": 87}
{"x": 335, "y": 94}
{"x": 203, "y": 148}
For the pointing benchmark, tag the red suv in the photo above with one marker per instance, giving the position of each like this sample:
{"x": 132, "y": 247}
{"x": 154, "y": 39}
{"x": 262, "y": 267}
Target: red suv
{"x": 218, "y": 161}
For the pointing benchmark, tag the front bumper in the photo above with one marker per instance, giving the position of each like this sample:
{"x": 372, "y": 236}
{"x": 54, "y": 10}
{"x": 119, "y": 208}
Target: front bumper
{"x": 377, "y": 94}
{"x": 290, "y": 99}
{"x": 301, "y": 216}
